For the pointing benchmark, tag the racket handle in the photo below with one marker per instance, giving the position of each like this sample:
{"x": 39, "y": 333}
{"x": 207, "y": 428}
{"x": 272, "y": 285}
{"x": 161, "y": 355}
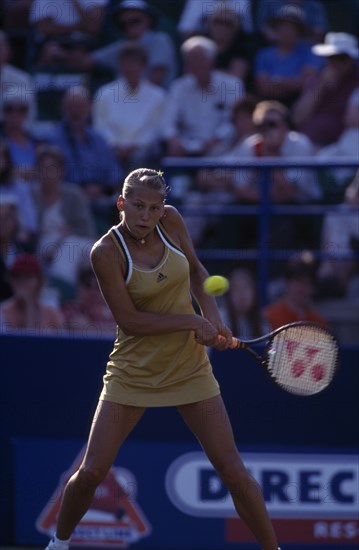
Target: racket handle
{"x": 236, "y": 344}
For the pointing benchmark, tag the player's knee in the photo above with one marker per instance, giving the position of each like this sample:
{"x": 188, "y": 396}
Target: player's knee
{"x": 91, "y": 477}
{"x": 233, "y": 473}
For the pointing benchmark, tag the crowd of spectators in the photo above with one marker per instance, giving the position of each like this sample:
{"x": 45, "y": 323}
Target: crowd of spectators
{"x": 92, "y": 90}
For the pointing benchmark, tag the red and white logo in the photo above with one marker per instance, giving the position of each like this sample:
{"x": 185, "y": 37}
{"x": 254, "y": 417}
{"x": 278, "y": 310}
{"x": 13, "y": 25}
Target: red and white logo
{"x": 114, "y": 518}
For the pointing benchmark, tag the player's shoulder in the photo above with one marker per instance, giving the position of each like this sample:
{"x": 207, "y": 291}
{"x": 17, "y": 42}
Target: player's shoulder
{"x": 102, "y": 249}
{"x": 173, "y": 223}
{"x": 172, "y": 216}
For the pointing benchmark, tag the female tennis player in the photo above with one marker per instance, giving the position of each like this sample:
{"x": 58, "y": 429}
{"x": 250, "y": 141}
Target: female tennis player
{"x": 147, "y": 271}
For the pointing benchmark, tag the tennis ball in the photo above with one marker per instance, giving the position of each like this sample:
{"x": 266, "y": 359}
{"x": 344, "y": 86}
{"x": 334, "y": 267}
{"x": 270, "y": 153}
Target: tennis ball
{"x": 216, "y": 285}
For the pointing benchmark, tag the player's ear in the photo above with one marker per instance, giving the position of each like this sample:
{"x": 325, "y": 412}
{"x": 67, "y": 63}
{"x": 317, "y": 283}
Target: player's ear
{"x": 120, "y": 203}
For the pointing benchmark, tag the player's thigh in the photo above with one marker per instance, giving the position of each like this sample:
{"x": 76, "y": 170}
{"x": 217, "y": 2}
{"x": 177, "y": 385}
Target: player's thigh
{"x": 209, "y": 422}
{"x": 112, "y": 423}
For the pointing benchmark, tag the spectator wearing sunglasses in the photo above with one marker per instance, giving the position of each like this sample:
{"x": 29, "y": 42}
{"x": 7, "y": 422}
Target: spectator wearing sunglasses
{"x": 21, "y": 142}
{"x": 137, "y": 21}
{"x": 320, "y": 110}
{"x": 14, "y": 80}
{"x": 63, "y": 31}
{"x": 275, "y": 139}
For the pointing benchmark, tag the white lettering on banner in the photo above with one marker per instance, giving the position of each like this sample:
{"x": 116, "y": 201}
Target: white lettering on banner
{"x": 335, "y": 530}
{"x": 293, "y": 485}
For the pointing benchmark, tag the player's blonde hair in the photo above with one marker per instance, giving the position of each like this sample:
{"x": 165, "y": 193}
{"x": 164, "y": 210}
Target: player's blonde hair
{"x": 144, "y": 177}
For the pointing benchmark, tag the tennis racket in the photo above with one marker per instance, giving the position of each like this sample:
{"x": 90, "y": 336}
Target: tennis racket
{"x": 301, "y": 358}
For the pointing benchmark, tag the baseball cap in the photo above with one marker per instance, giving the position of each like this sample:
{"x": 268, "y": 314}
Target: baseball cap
{"x": 336, "y": 43}
{"x": 291, "y": 13}
{"x": 26, "y": 264}
{"x": 138, "y": 5}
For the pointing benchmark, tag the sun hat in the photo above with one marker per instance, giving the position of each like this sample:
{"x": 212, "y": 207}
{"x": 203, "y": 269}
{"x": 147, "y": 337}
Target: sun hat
{"x": 137, "y": 5}
{"x": 336, "y": 43}
{"x": 291, "y": 13}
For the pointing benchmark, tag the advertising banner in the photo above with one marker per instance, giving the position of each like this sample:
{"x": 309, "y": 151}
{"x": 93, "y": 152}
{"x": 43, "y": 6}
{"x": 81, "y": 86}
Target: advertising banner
{"x": 167, "y": 495}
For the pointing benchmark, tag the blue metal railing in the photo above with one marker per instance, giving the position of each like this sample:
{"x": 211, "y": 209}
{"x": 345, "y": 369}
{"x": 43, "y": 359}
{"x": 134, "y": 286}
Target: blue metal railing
{"x": 265, "y": 210}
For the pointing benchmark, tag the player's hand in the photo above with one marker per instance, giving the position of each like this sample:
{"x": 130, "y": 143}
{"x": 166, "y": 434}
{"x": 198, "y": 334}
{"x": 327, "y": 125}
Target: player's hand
{"x": 206, "y": 333}
{"x": 224, "y": 338}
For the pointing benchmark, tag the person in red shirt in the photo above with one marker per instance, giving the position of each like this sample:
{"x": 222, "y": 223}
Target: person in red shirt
{"x": 296, "y": 303}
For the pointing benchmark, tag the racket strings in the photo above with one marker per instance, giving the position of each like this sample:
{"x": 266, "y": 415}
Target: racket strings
{"x": 302, "y": 360}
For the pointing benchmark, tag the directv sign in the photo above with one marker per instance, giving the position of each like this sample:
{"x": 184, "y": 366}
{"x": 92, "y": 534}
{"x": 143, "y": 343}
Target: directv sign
{"x": 154, "y": 503}
{"x": 293, "y": 485}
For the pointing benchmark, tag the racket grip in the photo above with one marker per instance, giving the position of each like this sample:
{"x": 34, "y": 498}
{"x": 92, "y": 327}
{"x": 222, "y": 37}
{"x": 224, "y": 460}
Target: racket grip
{"x": 236, "y": 344}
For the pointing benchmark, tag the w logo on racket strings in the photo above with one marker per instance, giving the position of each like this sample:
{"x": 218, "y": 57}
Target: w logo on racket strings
{"x": 161, "y": 278}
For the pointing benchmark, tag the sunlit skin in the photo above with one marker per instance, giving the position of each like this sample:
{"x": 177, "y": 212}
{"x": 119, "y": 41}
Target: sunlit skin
{"x": 141, "y": 209}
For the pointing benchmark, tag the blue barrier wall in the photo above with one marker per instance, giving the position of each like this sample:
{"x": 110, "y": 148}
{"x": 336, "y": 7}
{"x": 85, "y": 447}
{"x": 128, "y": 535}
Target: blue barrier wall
{"x": 49, "y": 389}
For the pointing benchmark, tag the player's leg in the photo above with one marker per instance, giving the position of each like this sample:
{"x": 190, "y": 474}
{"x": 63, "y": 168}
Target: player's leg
{"x": 111, "y": 425}
{"x": 210, "y": 423}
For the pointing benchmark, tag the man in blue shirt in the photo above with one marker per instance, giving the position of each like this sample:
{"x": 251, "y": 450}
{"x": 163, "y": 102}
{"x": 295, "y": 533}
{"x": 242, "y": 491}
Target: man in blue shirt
{"x": 282, "y": 70}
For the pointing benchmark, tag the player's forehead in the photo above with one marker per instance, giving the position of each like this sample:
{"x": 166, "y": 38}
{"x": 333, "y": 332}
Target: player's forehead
{"x": 146, "y": 195}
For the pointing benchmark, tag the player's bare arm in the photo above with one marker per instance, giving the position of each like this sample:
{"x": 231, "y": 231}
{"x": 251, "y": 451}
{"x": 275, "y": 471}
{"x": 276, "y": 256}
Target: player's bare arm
{"x": 109, "y": 269}
{"x": 176, "y": 228}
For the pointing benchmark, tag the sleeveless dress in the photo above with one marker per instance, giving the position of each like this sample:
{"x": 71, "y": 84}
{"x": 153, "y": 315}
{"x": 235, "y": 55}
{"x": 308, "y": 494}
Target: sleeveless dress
{"x": 161, "y": 370}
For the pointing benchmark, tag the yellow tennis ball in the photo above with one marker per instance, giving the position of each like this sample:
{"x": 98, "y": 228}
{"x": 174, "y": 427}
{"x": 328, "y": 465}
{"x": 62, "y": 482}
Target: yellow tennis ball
{"x": 216, "y": 285}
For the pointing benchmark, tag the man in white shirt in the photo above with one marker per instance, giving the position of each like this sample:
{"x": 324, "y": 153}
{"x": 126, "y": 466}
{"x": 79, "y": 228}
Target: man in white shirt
{"x": 275, "y": 139}
{"x": 297, "y": 185}
{"x": 128, "y": 111}
{"x": 197, "y": 116}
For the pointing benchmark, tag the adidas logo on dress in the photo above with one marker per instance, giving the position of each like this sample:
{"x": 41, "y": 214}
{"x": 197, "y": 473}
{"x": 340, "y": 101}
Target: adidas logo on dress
{"x": 161, "y": 277}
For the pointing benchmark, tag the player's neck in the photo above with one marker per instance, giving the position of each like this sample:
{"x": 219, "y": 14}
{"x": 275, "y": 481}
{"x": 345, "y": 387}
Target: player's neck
{"x": 139, "y": 240}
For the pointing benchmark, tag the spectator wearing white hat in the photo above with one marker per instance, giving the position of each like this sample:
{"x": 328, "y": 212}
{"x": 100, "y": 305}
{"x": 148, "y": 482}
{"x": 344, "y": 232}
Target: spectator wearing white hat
{"x": 319, "y": 111}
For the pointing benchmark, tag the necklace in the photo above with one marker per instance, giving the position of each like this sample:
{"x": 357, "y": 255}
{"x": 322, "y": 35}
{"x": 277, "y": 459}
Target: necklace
{"x": 142, "y": 240}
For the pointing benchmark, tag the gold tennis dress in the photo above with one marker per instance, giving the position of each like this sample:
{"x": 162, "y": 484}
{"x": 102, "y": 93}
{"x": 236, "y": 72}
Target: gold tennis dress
{"x": 162, "y": 370}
